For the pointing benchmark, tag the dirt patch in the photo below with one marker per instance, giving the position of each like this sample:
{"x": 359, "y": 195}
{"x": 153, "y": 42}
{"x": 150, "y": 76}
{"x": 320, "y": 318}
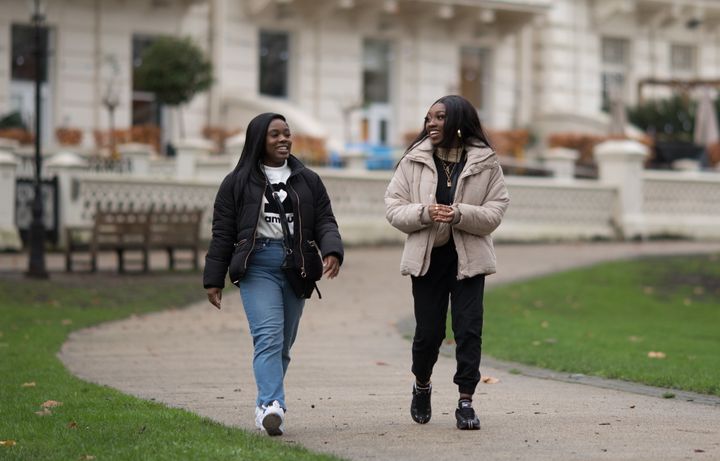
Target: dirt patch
{"x": 697, "y": 277}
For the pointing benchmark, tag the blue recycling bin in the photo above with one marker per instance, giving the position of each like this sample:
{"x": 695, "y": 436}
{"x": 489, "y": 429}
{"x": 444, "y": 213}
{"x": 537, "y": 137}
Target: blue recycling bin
{"x": 380, "y": 157}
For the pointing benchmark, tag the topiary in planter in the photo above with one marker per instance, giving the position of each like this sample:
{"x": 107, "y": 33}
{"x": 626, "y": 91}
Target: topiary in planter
{"x": 175, "y": 69}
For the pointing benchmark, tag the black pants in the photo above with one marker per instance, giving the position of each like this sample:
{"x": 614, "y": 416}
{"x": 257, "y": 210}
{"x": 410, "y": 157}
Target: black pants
{"x": 430, "y": 293}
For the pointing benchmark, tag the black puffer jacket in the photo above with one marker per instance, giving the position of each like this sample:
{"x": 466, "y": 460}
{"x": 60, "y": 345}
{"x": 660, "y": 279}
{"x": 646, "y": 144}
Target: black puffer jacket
{"x": 237, "y": 210}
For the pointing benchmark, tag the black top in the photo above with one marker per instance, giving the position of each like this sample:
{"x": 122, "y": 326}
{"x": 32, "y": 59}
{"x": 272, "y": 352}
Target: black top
{"x": 445, "y": 195}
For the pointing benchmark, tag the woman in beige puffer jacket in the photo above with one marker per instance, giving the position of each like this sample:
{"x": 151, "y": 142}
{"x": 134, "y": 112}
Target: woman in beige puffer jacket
{"x": 448, "y": 195}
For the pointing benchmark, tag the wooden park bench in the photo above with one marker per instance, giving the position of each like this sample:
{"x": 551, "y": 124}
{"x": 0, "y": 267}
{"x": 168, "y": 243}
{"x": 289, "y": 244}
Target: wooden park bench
{"x": 175, "y": 230}
{"x": 137, "y": 231}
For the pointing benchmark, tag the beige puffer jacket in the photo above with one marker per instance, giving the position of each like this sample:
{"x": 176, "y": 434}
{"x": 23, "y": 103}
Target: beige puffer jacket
{"x": 481, "y": 198}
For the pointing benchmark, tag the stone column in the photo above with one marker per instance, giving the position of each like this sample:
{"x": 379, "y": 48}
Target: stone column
{"x": 9, "y": 235}
{"x": 620, "y": 164}
{"x": 188, "y": 151}
{"x": 561, "y": 161}
{"x": 67, "y": 165}
{"x": 138, "y": 155}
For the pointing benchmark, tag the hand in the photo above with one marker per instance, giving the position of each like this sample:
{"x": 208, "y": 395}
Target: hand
{"x": 331, "y": 266}
{"x": 214, "y": 296}
{"x": 441, "y": 213}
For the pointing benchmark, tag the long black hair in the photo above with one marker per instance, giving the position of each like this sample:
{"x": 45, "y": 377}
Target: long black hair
{"x": 461, "y": 115}
{"x": 255, "y": 138}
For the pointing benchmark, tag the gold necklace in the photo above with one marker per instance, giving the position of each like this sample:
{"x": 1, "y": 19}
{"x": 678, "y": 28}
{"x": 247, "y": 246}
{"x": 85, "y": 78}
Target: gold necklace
{"x": 448, "y": 171}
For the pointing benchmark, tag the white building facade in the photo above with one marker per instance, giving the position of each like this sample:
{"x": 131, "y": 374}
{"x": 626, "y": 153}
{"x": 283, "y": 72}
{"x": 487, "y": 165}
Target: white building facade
{"x": 363, "y": 70}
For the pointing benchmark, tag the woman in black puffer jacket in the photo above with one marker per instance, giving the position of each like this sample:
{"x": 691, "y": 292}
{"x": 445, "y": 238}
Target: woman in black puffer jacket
{"x": 248, "y": 242}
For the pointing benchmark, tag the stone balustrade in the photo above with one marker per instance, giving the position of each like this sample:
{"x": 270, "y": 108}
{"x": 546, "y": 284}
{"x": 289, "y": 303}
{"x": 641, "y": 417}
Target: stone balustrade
{"x": 626, "y": 202}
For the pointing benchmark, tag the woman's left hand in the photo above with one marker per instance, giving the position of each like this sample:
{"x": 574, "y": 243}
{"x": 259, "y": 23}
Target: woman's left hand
{"x": 331, "y": 265}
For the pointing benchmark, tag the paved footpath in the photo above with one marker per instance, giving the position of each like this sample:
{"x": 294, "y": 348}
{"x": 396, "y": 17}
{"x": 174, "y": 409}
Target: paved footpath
{"x": 348, "y": 388}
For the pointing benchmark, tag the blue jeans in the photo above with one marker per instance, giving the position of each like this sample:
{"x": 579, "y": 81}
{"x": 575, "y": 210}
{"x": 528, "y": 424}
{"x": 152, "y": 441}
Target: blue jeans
{"x": 273, "y": 312}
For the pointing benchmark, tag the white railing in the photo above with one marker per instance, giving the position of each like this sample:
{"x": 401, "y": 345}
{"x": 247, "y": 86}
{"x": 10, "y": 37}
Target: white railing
{"x": 545, "y": 209}
{"x": 685, "y": 204}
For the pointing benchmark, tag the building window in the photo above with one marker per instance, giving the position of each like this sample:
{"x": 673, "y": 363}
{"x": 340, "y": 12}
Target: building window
{"x": 377, "y": 59}
{"x": 24, "y": 64}
{"x": 474, "y": 75}
{"x": 145, "y": 107}
{"x": 615, "y": 68}
{"x": 274, "y": 63}
{"x": 682, "y": 59}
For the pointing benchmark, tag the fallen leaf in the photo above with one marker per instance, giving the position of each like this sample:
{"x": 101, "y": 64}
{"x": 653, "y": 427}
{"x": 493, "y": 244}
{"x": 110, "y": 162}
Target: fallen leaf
{"x": 43, "y": 412}
{"x": 30, "y": 384}
{"x": 698, "y": 450}
{"x": 656, "y": 355}
{"x": 66, "y": 322}
{"x": 381, "y": 363}
{"x": 86, "y": 457}
{"x": 545, "y": 324}
{"x": 72, "y": 425}
{"x": 687, "y": 301}
{"x": 536, "y": 343}
{"x": 51, "y": 404}
{"x": 699, "y": 290}
{"x": 7, "y": 443}
{"x": 490, "y": 380}
{"x": 634, "y": 339}
{"x": 648, "y": 290}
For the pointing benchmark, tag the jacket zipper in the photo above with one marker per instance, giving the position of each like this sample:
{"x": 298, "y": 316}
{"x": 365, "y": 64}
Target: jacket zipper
{"x": 303, "y": 274}
{"x": 317, "y": 248}
{"x": 255, "y": 228}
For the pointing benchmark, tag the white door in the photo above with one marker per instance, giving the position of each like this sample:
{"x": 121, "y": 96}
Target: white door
{"x": 376, "y": 119}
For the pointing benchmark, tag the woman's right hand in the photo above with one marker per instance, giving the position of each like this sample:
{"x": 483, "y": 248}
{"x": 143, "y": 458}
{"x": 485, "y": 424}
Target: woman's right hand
{"x": 214, "y": 295}
{"x": 441, "y": 213}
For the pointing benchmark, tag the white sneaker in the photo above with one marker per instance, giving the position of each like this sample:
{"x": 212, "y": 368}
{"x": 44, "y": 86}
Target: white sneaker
{"x": 258, "y": 417}
{"x": 271, "y": 418}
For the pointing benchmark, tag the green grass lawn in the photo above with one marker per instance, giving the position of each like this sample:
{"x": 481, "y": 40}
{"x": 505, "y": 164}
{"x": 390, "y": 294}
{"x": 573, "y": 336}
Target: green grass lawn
{"x": 96, "y": 422}
{"x": 606, "y": 320}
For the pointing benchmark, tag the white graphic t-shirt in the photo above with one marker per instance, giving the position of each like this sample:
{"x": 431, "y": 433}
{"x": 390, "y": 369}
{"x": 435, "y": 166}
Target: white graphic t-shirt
{"x": 269, "y": 225}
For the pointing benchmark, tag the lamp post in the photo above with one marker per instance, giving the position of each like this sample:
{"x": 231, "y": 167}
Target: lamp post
{"x": 36, "y": 266}
{"x": 111, "y": 99}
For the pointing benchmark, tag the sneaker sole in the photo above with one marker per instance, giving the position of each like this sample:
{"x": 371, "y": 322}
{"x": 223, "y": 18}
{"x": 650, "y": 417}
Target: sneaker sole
{"x": 468, "y": 426}
{"x": 272, "y": 423}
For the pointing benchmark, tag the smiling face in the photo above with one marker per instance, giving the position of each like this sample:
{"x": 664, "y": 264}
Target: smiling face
{"x": 435, "y": 123}
{"x": 277, "y": 143}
